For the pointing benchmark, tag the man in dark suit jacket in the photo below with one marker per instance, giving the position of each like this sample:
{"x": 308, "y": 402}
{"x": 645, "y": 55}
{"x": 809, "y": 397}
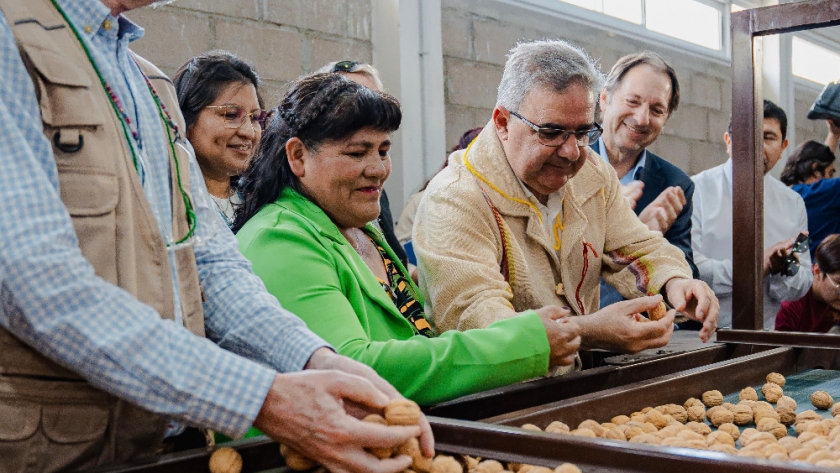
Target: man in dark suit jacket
{"x": 640, "y": 94}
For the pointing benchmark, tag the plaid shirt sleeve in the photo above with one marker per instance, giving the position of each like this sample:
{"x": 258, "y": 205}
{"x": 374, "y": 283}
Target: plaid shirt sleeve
{"x": 51, "y": 299}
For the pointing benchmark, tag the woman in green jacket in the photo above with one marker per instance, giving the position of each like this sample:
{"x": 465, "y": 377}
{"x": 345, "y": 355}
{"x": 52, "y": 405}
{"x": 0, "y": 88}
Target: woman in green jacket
{"x": 309, "y": 196}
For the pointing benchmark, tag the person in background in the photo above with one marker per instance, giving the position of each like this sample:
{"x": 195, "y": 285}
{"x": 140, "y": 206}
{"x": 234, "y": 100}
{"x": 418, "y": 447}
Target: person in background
{"x": 640, "y": 94}
{"x": 810, "y": 172}
{"x": 310, "y": 196}
{"x": 529, "y": 216}
{"x": 115, "y": 266}
{"x": 827, "y": 107}
{"x": 219, "y": 95}
{"x": 368, "y": 76}
{"x": 406, "y": 222}
{"x": 819, "y": 309}
{"x": 784, "y": 218}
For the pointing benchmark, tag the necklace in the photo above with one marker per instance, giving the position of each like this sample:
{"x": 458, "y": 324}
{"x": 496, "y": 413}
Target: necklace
{"x": 172, "y": 132}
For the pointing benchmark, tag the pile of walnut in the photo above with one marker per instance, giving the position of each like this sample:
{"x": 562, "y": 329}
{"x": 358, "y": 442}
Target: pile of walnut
{"x": 405, "y": 412}
{"x": 672, "y": 425}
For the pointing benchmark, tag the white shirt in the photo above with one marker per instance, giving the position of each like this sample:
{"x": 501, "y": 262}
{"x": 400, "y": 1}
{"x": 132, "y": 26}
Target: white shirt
{"x": 711, "y": 239}
{"x": 551, "y": 212}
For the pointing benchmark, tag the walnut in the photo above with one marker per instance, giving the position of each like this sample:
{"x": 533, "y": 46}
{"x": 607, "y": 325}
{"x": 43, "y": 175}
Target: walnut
{"x": 614, "y": 434}
{"x": 539, "y": 469}
{"x": 724, "y": 448}
{"x": 779, "y": 456}
{"x": 801, "y": 453}
{"x": 696, "y": 413}
{"x": 402, "y": 412}
{"x": 690, "y": 435}
{"x": 656, "y": 418}
{"x": 296, "y": 461}
{"x": 747, "y": 402}
{"x": 700, "y": 428}
{"x": 776, "y": 378}
{"x": 766, "y": 413}
{"x": 446, "y": 464}
{"x": 719, "y": 415}
{"x": 676, "y": 411}
{"x": 774, "y": 427}
{"x": 632, "y": 431}
{"x": 531, "y": 427}
{"x": 835, "y": 409}
{"x": 808, "y": 436}
{"x": 608, "y": 425}
{"x": 747, "y": 434}
{"x": 657, "y": 312}
{"x": 583, "y": 433}
{"x": 618, "y": 420}
{"x": 730, "y": 429}
{"x": 807, "y": 415}
{"x": 750, "y": 453}
{"x": 593, "y": 426}
{"x": 649, "y": 439}
{"x": 827, "y": 463}
{"x": 379, "y": 452}
{"x": 471, "y": 462}
{"x": 567, "y": 468}
{"x": 558, "y": 427}
{"x": 488, "y": 466}
{"x": 646, "y": 410}
{"x": 756, "y": 437}
{"x": 786, "y": 401}
{"x": 419, "y": 462}
{"x": 772, "y": 392}
{"x": 819, "y": 455}
{"x": 821, "y": 400}
{"x": 790, "y": 443}
{"x": 691, "y": 402}
{"x": 817, "y": 427}
{"x": 720, "y": 437}
{"x": 743, "y": 415}
{"x": 818, "y": 443}
{"x": 225, "y": 460}
{"x": 801, "y": 426}
{"x": 773, "y": 449}
{"x": 787, "y": 415}
{"x": 712, "y": 398}
{"x": 756, "y": 405}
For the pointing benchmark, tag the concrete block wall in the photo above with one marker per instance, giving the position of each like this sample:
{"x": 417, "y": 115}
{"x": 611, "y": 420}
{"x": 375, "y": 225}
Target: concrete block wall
{"x": 477, "y": 35}
{"x": 283, "y": 39}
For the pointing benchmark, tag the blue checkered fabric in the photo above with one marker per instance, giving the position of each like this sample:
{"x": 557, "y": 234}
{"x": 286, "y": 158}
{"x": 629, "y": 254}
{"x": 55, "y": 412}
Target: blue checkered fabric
{"x": 52, "y": 300}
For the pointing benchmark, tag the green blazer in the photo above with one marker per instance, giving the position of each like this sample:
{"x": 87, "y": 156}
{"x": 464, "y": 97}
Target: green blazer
{"x": 314, "y": 272}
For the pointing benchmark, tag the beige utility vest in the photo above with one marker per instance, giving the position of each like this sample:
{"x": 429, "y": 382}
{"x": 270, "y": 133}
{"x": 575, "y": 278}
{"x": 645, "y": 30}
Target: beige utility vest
{"x": 50, "y": 419}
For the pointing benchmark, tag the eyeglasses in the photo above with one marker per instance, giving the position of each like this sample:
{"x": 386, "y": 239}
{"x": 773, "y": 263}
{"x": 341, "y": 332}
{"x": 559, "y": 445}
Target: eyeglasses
{"x": 833, "y": 283}
{"x": 555, "y": 137}
{"x": 236, "y": 115}
{"x": 344, "y": 66}
{"x": 800, "y": 245}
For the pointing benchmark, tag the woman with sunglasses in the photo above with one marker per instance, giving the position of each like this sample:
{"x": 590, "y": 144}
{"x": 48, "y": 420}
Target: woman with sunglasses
{"x": 819, "y": 309}
{"x": 219, "y": 95}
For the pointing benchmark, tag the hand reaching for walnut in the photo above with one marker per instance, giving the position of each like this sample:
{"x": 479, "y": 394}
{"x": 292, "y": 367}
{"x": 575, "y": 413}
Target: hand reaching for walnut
{"x": 314, "y": 413}
{"x": 621, "y": 327}
{"x": 563, "y": 335}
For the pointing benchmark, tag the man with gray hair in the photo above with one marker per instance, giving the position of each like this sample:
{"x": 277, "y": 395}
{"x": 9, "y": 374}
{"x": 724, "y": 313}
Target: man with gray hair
{"x": 526, "y": 217}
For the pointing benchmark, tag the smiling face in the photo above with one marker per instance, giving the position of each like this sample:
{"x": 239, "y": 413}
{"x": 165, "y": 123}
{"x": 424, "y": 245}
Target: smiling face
{"x": 344, "y": 177}
{"x": 223, "y": 152}
{"x": 636, "y": 111}
{"x": 544, "y": 169}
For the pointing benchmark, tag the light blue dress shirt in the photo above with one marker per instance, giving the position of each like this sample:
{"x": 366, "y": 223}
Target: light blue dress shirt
{"x": 52, "y": 300}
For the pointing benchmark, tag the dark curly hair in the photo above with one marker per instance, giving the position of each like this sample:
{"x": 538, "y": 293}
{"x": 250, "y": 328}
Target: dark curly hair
{"x": 807, "y": 160}
{"x": 318, "y": 108}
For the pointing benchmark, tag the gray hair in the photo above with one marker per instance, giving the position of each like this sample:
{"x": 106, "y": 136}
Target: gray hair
{"x": 360, "y": 68}
{"x": 546, "y": 63}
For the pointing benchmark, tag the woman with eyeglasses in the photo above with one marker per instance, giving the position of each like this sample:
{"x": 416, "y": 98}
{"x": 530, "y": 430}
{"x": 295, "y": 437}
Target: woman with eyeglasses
{"x": 309, "y": 197}
{"x": 819, "y": 309}
{"x": 219, "y": 95}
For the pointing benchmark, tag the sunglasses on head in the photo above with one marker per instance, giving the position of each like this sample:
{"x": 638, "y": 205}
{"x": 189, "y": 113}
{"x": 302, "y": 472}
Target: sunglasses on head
{"x": 344, "y": 66}
{"x": 801, "y": 245}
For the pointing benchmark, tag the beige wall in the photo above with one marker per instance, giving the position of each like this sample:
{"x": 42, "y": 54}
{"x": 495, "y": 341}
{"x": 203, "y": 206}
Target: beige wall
{"x": 282, "y": 38}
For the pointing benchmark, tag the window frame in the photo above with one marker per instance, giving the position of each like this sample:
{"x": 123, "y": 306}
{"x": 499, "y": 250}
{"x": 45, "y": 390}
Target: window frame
{"x": 597, "y": 19}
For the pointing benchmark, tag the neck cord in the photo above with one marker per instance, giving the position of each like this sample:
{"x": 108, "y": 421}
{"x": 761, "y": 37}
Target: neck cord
{"x": 171, "y": 129}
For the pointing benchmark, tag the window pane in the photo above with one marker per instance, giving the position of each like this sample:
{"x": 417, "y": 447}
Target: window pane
{"x": 685, "y": 19}
{"x": 814, "y": 63}
{"x": 627, "y": 10}
{"x": 590, "y": 4}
